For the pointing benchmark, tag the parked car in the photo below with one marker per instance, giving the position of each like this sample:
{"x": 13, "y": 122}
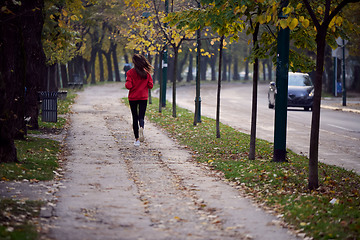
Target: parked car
{"x": 300, "y": 91}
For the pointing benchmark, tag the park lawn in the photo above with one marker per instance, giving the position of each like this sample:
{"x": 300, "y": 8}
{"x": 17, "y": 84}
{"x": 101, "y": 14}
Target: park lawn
{"x": 330, "y": 212}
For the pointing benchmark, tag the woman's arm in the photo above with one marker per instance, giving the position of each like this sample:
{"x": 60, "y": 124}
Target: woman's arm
{"x": 129, "y": 83}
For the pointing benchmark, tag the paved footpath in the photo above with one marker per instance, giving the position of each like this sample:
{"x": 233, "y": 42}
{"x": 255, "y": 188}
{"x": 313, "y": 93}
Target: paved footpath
{"x": 114, "y": 190}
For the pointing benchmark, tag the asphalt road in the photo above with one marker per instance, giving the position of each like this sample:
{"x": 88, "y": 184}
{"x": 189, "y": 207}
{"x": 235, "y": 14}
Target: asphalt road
{"x": 339, "y": 131}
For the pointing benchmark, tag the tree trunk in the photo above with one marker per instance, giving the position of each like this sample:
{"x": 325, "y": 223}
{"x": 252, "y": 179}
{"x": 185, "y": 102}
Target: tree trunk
{"x": 87, "y": 70}
{"x": 329, "y": 68}
{"x": 92, "y": 65}
{"x": 52, "y": 84}
{"x": 64, "y": 75}
{"x": 236, "y": 75}
{"x": 116, "y": 63}
{"x": 224, "y": 66}
{"x": 126, "y": 57}
{"x": 35, "y": 61}
{"x": 254, "y": 97}
{"x": 101, "y": 66}
{"x": 20, "y": 42}
{"x": 10, "y": 46}
{"x": 149, "y": 90}
{"x": 109, "y": 65}
{"x": 78, "y": 65}
{"x": 246, "y": 77}
{"x": 229, "y": 67}
{"x": 190, "y": 75}
{"x": 19, "y": 103}
{"x": 315, "y": 121}
{"x": 213, "y": 67}
{"x": 161, "y": 80}
{"x": 176, "y": 53}
{"x": 157, "y": 69}
{"x": 181, "y": 67}
{"x": 203, "y": 68}
{"x": 219, "y": 89}
{"x": 58, "y": 78}
{"x": 70, "y": 65}
{"x": 170, "y": 72}
{"x": 356, "y": 82}
{"x": 269, "y": 65}
{"x": 264, "y": 62}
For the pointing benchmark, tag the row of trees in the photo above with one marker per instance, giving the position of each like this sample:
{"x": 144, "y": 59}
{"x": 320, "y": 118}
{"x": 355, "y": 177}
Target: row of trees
{"x": 40, "y": 39}
{"x": 312, "y": 25}
{"x": 76, "y": 37}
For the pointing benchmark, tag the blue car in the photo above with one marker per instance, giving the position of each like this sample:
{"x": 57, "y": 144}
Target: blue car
{"x": 300, "y": 91}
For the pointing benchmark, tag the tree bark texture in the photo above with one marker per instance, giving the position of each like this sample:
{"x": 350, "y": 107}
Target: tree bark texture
{"x": 21, "y": 64}
{"x": 212, "y": 62}
{"x": 329, "y": 68}
{"x": 224, "y": 66}
{"x": 315, "y": 120}
{"x": 264, "y": 62}
{"x": 87, "y": 70}
{"x": 254, "y": 97}
{"x": 190, "y": 75}
{"x": 246, "y": 77}
{"x": 176, "y": 53}
{"x": 320, "y": 51}
{"x": 170, "y": 75}
{"x": 92, "y": 65}
{"x": 203, "y": 67}
{"x": 107, "y": 55}
{"x": 64, "y": 76}
{"x": 35, "y": 60}
{"x": 115, "y": 61}
{"x": 157, "y": 69}
{"x": 236, "y": 75}
{"x": 79, "y": 67}
{"x": 9, "y": 46}
{"x": 101, "y": 66}
{"x": 229, "y": 61}
{"x": 52, "y": 85}
{"x": 219, "y": 88}
{"x": 269, "y": 66}
{"x": 181, "y": 67}
{"x": 71, "y": 70}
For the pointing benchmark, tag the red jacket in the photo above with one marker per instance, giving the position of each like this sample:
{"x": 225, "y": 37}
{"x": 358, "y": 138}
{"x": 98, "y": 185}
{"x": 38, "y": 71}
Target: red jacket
{"x": 138, "y": 86}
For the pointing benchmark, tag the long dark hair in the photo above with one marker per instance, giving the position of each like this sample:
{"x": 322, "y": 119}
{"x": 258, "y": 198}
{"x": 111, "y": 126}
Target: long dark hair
{"x": 142, "y": 65}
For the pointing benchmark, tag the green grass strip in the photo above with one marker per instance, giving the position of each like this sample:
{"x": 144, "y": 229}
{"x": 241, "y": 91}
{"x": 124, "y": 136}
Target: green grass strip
{"x": 330, "y": 212}
{"x": 38, "y": 156}
{"x": 37, "y": 160}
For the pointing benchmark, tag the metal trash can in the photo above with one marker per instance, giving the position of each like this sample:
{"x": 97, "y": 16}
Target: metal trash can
{"x": 49, "y": 106}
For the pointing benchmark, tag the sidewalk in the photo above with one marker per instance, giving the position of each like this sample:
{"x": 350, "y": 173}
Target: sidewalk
{"x": 336, "y": 103}
{"x": 113, "y": 190}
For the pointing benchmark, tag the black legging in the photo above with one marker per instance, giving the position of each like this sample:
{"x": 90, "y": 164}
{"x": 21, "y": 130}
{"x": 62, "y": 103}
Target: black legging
{"x": 138, "y": 109}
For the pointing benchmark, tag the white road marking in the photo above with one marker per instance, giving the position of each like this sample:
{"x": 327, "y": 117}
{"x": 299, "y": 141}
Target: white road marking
{"x": 346, "y": 129}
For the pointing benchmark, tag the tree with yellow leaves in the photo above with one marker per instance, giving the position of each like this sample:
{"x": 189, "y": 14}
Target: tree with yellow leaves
{"x": 150, "y": 33}
{"x": 312, "y": 25}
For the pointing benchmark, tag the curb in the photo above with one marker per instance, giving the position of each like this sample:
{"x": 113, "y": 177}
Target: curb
{"x": 340, "y": 109}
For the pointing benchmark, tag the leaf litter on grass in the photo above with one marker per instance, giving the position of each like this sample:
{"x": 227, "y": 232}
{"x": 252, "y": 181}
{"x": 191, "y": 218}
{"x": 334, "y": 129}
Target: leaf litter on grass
{"x": 330, "y": 212}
